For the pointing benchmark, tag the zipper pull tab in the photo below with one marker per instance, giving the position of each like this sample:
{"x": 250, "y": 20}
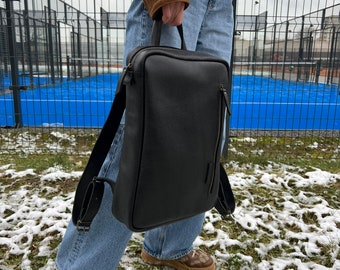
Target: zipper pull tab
{"x": 123, "y": 80}
{"x": 225, "y": 98}
{"x": 128, "y": 71}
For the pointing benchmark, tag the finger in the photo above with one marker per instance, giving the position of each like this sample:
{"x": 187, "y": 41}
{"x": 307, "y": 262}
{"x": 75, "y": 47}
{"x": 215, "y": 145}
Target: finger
{"x": 166, "y": 14}
{"x": 177, "y": 20}
{"x": 173, "y": 14}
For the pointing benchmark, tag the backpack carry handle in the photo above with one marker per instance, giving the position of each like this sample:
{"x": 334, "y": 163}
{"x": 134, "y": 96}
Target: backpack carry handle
{"x": 157, "y": 30}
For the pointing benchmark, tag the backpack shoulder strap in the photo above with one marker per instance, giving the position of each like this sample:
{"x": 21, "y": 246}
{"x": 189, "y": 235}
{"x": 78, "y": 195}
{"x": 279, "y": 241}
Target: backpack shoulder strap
{"x": 225, "y": 203}
{"x": 90, "y": 188}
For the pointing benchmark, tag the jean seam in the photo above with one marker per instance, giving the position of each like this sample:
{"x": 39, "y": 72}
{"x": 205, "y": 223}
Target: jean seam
{"x": 161, "y": 240}
{"x": 76, "y": 249}
{"x": 144, "y": 18}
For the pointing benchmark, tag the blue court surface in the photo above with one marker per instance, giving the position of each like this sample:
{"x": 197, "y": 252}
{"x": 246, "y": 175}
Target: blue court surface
{"x": 257, "y": 103}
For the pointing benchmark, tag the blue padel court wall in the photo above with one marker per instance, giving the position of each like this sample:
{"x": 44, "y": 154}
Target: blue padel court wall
{"x": 257, "y": 103}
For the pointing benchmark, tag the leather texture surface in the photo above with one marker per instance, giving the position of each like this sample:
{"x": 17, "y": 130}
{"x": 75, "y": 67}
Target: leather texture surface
{"x": 170, "y": 166}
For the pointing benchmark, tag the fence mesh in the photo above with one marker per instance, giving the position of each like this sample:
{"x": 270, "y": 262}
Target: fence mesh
{"x": 60, "y": 62}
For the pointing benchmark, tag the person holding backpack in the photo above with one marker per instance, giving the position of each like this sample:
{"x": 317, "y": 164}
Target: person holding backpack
{"x": 208, "y": 28}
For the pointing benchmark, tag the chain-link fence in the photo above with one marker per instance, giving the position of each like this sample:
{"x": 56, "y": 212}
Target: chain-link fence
{"x": 60, "y": 62}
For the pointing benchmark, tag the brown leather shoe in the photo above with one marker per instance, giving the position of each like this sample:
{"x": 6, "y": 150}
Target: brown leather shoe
{"x": 195, "y": 260}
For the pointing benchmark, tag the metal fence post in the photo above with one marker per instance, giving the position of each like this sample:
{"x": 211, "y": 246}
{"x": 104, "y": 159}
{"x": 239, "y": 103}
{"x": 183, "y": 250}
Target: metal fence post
{"x": 331, "y": 58}
{"x": 50, "y": 41}
{"x": 28, "y": 41}
{"x": 285, "y": 51}
{"x": 12, "y": 46}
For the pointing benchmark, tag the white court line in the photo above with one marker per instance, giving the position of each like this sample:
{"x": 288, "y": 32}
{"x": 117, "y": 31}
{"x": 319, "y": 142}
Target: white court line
{"x": 67, "y": 100}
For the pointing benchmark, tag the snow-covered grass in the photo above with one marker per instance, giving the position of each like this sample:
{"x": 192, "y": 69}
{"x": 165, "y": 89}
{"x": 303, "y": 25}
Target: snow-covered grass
{"x": 287, "y": 215}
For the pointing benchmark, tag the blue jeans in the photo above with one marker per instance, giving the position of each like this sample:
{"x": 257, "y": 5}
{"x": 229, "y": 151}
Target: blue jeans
{"x": 208, "y": 27}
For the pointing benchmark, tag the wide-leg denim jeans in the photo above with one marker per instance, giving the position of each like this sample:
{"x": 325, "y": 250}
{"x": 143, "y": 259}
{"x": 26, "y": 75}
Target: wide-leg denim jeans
{"x": 208, "y": 27}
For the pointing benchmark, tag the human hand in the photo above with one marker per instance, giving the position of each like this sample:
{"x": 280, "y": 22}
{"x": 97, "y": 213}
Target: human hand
{"x": 173, "y": 13}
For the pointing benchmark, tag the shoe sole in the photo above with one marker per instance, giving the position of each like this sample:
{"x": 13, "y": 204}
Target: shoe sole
{"x": 173, "y": 264}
